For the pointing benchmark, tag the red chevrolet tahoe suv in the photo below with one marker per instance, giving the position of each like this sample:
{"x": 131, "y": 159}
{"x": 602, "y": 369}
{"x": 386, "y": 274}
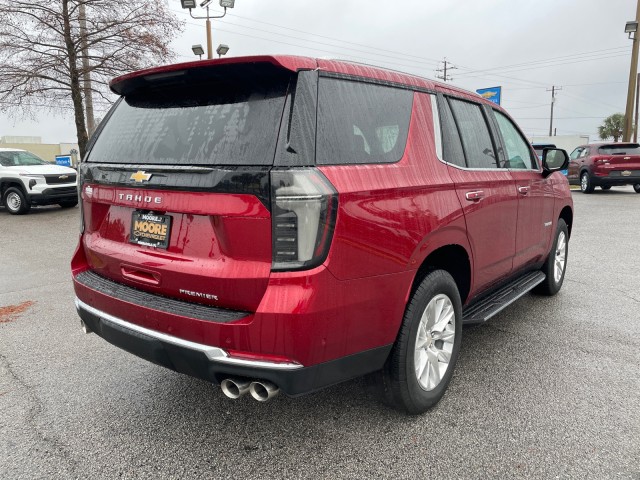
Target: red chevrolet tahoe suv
{"x": 287, "y": 223}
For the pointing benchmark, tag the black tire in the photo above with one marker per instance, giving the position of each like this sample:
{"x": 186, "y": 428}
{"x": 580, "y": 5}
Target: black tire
{"x": 15, "y": 201}
{"x": 69, "y": 204}
{"x": 605, "y": 187}
{"x": 636, "y": 187}
{"x": 551, "y": 286}
{"x": 400, "y": 384}
{"x": 586, "y": 186}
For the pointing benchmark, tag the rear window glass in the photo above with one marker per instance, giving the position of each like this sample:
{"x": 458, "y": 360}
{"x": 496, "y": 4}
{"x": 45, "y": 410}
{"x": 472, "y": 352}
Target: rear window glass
{"x": 206, "y": 124}
{"x": 629, "y": 149}
{"x": 361, "y": 122}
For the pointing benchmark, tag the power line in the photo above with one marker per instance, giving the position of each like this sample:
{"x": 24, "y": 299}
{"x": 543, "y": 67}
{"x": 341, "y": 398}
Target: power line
{"x": 420, "y": 60}
{"x": 545, "y": 60}
{"x": 374, "y": 60}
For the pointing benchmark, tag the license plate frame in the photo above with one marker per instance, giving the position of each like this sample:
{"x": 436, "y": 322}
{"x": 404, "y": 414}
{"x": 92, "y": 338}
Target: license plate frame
{"x": 150, "y": 229}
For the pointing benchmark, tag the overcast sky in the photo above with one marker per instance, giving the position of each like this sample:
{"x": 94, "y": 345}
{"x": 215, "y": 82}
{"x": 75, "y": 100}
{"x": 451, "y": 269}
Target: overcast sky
{"x": 526, "y": 46}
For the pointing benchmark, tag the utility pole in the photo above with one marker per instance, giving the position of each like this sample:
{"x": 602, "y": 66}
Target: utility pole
{"x": 553, "y": 91}
{"x": 442, "y": 73}
{"x": 626, "y": 133}
{"x": 86, "y": 75}
{"x": 635, "y": 123}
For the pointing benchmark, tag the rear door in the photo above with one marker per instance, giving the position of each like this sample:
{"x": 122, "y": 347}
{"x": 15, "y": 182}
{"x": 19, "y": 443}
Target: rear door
{"x": 176, "y": 187}
{"x": 485, "y": 191}
{"x": 534, "y": 192}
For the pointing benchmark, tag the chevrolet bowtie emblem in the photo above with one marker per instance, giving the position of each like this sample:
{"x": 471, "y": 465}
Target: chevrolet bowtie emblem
{"x": 140, "y": 176}
{"x": 63, "y": 177}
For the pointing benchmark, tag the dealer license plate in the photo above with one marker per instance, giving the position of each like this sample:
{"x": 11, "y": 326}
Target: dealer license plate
{"x": 150, "y": 229}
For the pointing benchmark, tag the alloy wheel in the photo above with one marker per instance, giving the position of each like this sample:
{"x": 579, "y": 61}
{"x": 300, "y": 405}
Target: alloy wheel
{"x": 561, "y": 257}
{"x": 434, "y": 342}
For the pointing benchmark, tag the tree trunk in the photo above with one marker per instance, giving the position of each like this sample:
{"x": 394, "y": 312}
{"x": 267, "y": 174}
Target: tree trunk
{"x": 86, "y": 75}
{"x": 76, "y": 92}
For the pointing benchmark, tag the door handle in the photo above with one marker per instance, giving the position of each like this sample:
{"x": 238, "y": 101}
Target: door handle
{"x": 474, "y": 196}
{"x": 523, "y": 190}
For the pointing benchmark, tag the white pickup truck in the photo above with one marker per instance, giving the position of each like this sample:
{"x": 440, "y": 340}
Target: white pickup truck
{"x": 27, "y": 180}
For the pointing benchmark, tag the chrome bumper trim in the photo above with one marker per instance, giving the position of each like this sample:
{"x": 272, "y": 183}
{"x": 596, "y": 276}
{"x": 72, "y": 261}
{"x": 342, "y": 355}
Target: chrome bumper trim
{"x": 215, "y": 354}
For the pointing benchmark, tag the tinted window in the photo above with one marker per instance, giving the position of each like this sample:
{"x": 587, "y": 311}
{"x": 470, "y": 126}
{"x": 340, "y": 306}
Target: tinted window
{"x": 517, "y": 148}
{"x": 474, "y": 133}
{"x": 221, "y": 124}
{"x": 361, "y": 123}
{"x": 629, "y": 149}
{"x": 452, "y": 146}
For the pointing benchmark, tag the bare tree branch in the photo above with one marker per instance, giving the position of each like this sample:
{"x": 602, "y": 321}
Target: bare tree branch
{"x": 44, "y": 53}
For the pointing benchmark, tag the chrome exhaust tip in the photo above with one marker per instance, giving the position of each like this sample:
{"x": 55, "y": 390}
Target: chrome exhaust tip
{"x": 234, "y": 388}
{"x": 263, "y": 391}
{"x": 85, "y": 328}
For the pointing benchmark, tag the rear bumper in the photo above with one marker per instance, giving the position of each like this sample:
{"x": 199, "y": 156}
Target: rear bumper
{"x": 614, "y": 180}
{"x": 215, "y": 364}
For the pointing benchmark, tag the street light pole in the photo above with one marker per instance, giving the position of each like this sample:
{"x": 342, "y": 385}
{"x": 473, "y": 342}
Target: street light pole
{"x": 223, "y": 3}
{"x": 628, "y": 115}
{"x": 209, "y": 41}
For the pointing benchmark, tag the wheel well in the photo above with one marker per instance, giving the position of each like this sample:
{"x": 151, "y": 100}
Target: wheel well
{"x": 454, "y": 260}
{"x": 567, "y": 215}
{"x": 9, "y": 183}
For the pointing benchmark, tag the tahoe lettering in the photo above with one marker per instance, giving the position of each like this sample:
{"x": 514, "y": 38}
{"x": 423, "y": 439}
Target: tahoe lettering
{"x": 139, "y": 198}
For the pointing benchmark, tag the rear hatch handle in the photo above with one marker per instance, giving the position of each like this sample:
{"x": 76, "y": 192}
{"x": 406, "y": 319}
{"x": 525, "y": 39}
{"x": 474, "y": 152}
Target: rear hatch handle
{"x": 138, "y": 275}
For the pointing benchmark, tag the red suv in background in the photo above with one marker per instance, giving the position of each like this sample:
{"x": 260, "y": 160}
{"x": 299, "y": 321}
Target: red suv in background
{"x": 287, "y": 223}
{"x": 605, "y": 165}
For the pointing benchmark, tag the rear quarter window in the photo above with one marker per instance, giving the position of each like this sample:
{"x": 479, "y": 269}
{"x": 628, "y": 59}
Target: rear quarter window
{"x": 361, "y": 123}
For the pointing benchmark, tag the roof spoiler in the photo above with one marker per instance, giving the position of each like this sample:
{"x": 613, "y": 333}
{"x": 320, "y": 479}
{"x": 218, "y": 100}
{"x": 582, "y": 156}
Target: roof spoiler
{"x": 208, "y": 70}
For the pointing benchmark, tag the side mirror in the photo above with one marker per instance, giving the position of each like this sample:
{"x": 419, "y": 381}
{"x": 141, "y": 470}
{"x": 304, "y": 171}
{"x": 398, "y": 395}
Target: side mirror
{"x": 554, "y": 159}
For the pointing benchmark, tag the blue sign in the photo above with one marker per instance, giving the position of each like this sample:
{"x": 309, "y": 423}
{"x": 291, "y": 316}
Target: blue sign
{"x": 493, "y": 94}
{"x": 63, "y": 160}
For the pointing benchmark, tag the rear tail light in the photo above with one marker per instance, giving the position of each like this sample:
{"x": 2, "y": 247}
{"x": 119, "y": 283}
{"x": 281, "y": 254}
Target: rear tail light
{"x": 304, "y": 207}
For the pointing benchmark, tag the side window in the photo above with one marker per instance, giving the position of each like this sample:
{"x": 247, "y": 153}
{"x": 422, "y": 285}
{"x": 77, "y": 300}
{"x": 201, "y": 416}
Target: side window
{"x": 584, "y": 153}
{"x": 518, "y": 151}
{"x": 474, "y": 133}
{"x": 451, "y": 145}
{"x": 6, "y": 159}
{"x": 361, "y": 122}
{"x": 576, "y": 153}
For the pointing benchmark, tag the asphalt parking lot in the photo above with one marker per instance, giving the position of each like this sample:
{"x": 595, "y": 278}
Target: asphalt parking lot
{"x": 550, "y": 388}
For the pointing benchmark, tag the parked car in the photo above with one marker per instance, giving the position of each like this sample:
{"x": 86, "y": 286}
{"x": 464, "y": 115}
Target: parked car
{"x": 27, "y": 180}
{"x": 605, "y": 165}
{"x": 286, "y": 223}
